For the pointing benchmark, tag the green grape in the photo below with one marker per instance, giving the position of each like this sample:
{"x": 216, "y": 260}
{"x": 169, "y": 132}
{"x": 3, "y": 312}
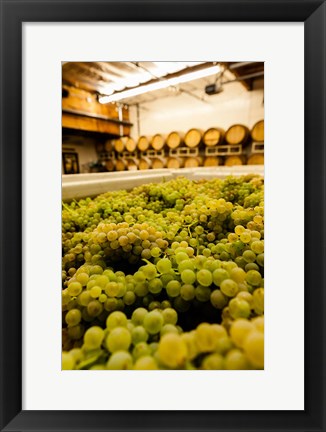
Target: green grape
{"x": 245, "y": 237}
{"x": 153, "y": 322}
{"x": 204, "y": 277}
{"x": 191, "y": 345}
{"x": 95, "y": 292}
{"x": 119, "y": 339}
{"x": 116, "y": 319}
{"x": 236, "y": 360}
{"x": 82, "y": 278}
{"x": 67, "y": 361}
{"x": 73, "y": 317}
{"x": 260, "y": 260}
{"x": 200, "y": 261}
{"x": 94, "y": 308}
{"x": 257, "y": 246}
{"x": 155, "y": 286}
{"x": 251, "y": 266}
{"x": 141, "y": 349}
{"x": 102, "y": 298}
{"x": 213, "y": 362}
{"x": 239, "y": 308}
{"x": 187, "y": 292}
{"x": 258, "y": 322}
{"x": 219, "y": 275}
{"x": 186, "y": 265}
{"x": 156, "y": 251}
{"x": 150, "y": 271}
{"x": 202, "y": 293}
{"x": 139, "y": 276}
{"x": 239, "y": 229}
{"x": 238, "y": 274}
{"x": 166, "y": 278}
{"x": 188, "y": 276}
{"x": 76, "y": 332}
{"x": 254, "y": 278}
{"x": 138, "y": 334}
{"x": 154, "y": 305}
{"x": 111, "y": 304}
{"x": 173, "y": 288}
{"x": 146, "y": 363}
{"x": 77, "y": 354}
{"x": 164, "y": 265}
{"x": 254, "y": 349}
{"x": 245, "y": 295}
{"x": 168, "y": 328}
{"x": 258, "y": 301}
{"x": 120, "y": 360}
{"x": 181, "y": 256}
{"x": 165, "y": 304}
{"x": 218, "y": 299}
{"x": 138, "y": 316}
{"x": 229, "y": 287}
{"x": 205, "y": 337}
{"x": 172, "y": 351}
{"x": 249, "y": 256}
{"x": 96, "y": 269}
{"x": 129, "y": 298}
{"x": 101, "y": 280}
{"x": 170, "y": 316}
{"x": 65, "y": 297}
{"x": 93, "y": 337}
{"x": 239, "y": 330}
{"x": 74, "y": 289}
{"x": 112, "y": 289}
{"x": 141, "y": 289}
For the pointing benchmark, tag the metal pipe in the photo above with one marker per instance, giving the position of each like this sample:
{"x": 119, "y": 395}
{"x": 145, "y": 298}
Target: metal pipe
{"x": 240, "y": 64}
{"x": 241, "y": 78}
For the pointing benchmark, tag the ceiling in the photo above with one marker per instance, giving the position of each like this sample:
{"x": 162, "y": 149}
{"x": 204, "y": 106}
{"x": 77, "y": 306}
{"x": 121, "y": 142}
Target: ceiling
{"x": 106, "y": 78}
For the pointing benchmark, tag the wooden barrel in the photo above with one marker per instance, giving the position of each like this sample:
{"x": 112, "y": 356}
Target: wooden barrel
{"x": 109, "y": 165}
{"x": 119, "y": 145}
{"x": 158, "y": 163}
{"x": 120, "y": 165}
{"x": 211, "y": 161}
{"x": 132, "y": 164}
{"x": 237, "y": 134}
{"x": 130, "y": 144}
{"x": 233, "y": 160}
{"x": 144, "y": 163}
{"x": 108, "y": 145}
{"x": 193, "y": 138}
{"x": 174, "y": 139}
{"x": 257, "y": 132}
{"x": 99, "y": 147}
{"x": 158, "y": 142}
{"x": 174, "y": 162}
{"x": 213, "y": 137}
{"x": 256, "y": 159}
{"x": 142, "y": 143}
{"x": 191, "y": 162}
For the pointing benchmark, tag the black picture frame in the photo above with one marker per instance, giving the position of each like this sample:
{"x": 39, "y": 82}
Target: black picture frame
{"x": 70, "y": 162}
{"x": 13, "y": 14}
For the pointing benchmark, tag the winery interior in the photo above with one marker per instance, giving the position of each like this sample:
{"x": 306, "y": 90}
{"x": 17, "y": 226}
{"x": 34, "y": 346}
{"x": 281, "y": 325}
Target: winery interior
{"x": 123, "y": 116}
{"x": 163, "y": 215}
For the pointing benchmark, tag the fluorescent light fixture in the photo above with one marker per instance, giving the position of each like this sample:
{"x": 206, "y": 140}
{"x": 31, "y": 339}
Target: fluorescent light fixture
{"x": 160, "y": 84}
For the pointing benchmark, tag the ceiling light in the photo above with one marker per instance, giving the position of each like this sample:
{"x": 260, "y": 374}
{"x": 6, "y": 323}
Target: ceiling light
{"x": 158, "y": 85}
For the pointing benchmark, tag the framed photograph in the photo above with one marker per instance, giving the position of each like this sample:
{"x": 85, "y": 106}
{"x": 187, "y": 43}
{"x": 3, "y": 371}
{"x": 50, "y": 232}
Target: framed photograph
{"x": 37, "y": 38}
{"x": 70, "y": 163}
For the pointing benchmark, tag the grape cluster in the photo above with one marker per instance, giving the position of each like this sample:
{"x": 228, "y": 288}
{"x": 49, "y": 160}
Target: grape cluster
{"x": 166, "y": 276}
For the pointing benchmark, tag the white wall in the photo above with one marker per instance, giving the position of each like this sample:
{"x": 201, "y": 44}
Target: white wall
{"x": 234, "y": 105}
